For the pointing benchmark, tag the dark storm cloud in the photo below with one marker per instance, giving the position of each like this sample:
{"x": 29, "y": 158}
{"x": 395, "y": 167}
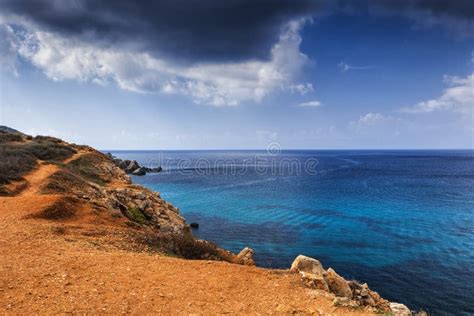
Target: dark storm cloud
{"x": 190, "y": 29}
{"x": 457, "y": 9}
{"x": 212, "y": 30}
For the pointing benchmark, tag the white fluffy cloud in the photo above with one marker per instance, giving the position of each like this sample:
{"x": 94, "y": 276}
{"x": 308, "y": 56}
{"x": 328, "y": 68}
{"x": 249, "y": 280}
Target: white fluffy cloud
{"x": 370, "y": 121}
{"x": 458, "y": 97}
{"x": 311, "y": 104}
{"x": 373, "y": 118}
{"x": 217, "y": 84}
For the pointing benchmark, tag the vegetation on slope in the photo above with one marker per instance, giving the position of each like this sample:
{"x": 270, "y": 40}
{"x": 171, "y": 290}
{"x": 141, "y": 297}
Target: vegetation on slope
{"x": 19, "y": 154}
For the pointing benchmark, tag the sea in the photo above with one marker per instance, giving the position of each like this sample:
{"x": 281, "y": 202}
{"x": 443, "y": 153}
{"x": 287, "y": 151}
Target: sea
{"x": 400, "y": 220}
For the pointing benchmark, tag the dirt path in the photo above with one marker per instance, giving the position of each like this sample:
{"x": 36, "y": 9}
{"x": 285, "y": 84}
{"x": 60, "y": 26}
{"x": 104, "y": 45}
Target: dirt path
{"x": 44, "y": 269}
{"x": 39, "y": 175}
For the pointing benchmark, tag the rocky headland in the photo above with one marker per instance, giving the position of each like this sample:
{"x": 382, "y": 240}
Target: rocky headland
{"x": 132, "y": 166}
{"x": 79, "y": 237}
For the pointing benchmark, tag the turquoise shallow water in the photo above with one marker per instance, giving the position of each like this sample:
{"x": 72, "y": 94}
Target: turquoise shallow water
{"x": 402, "y": 221}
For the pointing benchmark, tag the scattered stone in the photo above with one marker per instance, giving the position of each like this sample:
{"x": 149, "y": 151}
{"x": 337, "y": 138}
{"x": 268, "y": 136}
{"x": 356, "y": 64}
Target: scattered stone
{"x": 337, "y": 284}
{"x": 314, "y": 281}
{"x": 245, "y": 257}
{"x": 344, "y": 302}
{"x": 400, "y": 309}
{"x": 307, "y": 264}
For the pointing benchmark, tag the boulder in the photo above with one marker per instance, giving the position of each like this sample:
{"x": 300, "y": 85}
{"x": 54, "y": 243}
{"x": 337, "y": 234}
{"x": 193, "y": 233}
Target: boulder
{"x": 337, "y": 284}
{"x": 245, "y": 257}
{"x": 314, "y": 281}
{"x": 194, "y": 225}
{"x": 132, "y": 166}
{"x": 400, "y": 309}
{"x": 141, "y": 171}
{"x": 307, "y": 264}
{"x": 141, "y": 204}
{"x": 158, "y": 169}
{"x": 123, "y": 164}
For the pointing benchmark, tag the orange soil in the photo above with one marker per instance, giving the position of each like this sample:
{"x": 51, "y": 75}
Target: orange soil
{"x": 43, "y": 271}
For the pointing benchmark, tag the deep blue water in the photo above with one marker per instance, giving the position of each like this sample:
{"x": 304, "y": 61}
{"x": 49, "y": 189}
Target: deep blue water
{"x": 402, "y": 221}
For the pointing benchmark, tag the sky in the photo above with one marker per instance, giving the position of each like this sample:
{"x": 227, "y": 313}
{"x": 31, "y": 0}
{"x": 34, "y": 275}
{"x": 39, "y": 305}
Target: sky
{"x": 240, "y": 74}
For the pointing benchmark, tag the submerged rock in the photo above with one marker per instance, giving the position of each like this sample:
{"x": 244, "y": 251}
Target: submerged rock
{"x": 194, "y": 225}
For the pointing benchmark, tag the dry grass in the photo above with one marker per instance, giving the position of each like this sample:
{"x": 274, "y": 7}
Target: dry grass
{"x": 87, "y": 166}
{"x": 183, "y": 245}
{"x": 62, "y": 182}
{"x": 63, "y": 209}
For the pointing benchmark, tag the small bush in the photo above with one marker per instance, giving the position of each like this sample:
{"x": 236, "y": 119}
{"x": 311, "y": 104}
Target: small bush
{"x": 184, "y": 245}
{"x": 50, "y": 139}
{"x": 136, "y": 215}
{"x": 15, "y": 161}
{"x": 187, "y": 246}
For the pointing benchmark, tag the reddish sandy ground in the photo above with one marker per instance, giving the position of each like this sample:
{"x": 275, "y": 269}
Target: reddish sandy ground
{"x": 51, "y": 267}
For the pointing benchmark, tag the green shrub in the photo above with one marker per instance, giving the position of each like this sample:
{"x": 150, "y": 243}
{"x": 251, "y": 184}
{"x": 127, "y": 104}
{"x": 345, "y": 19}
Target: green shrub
{"x": 136, "y": 215}
{"x": 49, "y": 151}
{"x": 50, "y": 139}
{"x": 9, "y": 137}
{"x": 14, "y": 163}
{"x": 184, "y": 245}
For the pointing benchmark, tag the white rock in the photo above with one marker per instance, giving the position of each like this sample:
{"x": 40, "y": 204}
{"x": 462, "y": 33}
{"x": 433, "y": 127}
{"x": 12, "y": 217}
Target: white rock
{"x": 307, "y": 264}
{"x": 400, "y": 309}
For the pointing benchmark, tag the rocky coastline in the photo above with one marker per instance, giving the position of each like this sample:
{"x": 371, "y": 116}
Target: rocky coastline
{"x": 84, "y": 178}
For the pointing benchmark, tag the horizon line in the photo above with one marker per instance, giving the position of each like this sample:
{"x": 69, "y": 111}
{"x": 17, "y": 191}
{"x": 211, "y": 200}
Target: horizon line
{"x": 293, "y": 149}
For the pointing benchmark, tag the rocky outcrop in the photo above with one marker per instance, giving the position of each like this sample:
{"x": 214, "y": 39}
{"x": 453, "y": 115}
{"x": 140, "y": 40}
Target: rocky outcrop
{"x": 366, "y": 297}
{"x": 145, "y": 207}
{"x": 132, "y": 166}
{"x": 348, "y": 293}
{"x": 245, "y": 257}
